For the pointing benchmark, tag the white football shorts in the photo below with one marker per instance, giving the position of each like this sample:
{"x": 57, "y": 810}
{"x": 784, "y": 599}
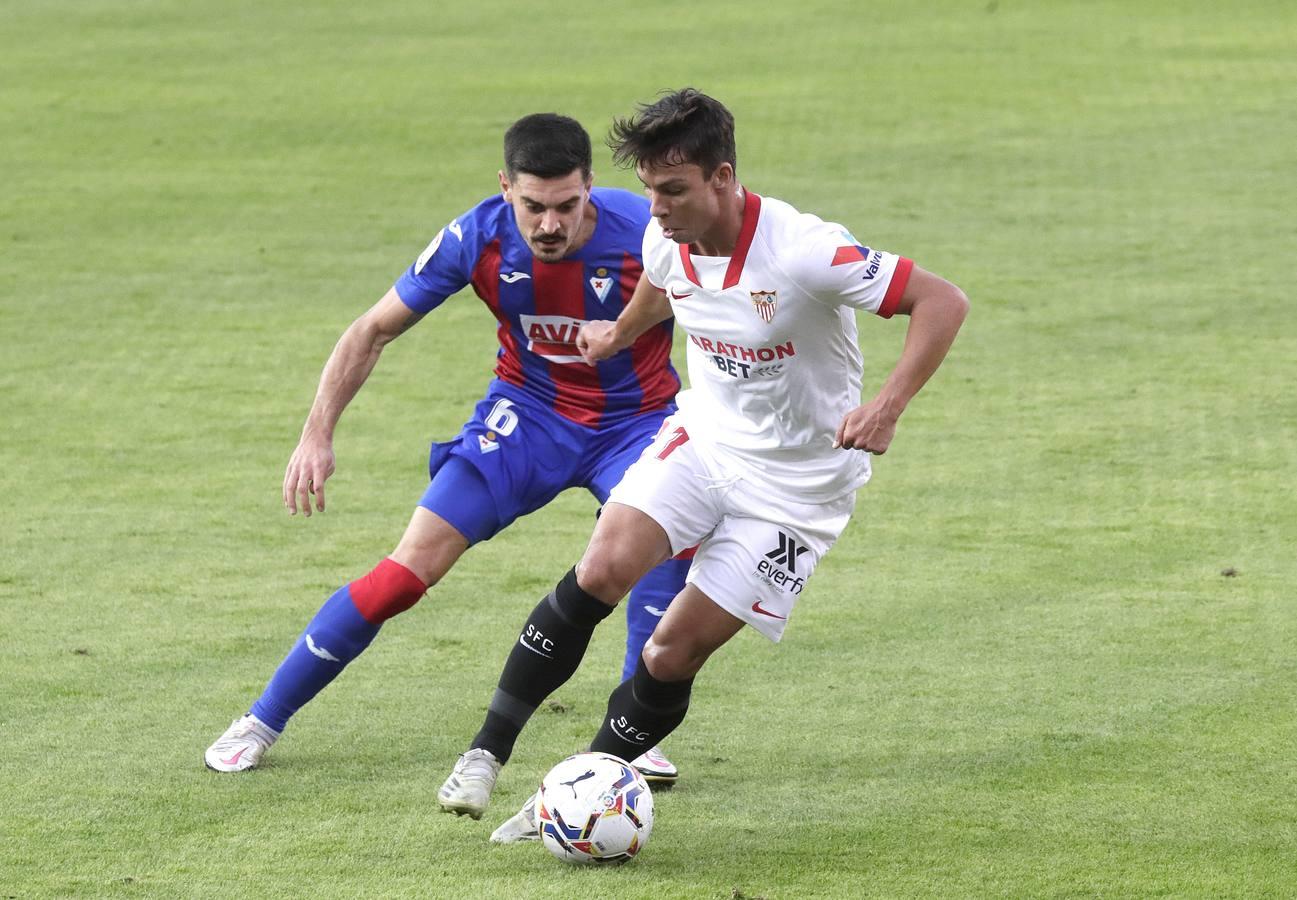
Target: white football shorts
{"x": 757, "y": 547}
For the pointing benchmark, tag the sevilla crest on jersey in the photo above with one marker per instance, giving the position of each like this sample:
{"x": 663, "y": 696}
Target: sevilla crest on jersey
{"x": 765, "y": 301}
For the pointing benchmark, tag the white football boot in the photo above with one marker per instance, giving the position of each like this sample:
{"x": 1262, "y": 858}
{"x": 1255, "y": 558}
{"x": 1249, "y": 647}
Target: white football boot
{"x": 242, "y": 745}
{"x": 655, "y": 767}
{"x": 468, "y": 789}
{"x": 522, "y": 827}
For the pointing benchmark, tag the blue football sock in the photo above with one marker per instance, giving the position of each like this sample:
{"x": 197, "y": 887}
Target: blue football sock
{"x": 336, "y": 636}
{"x": 647, "y": 603}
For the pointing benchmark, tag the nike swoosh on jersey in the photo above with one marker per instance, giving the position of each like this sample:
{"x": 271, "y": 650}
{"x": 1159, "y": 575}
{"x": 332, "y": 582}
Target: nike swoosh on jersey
{"x": 675, "y": 296}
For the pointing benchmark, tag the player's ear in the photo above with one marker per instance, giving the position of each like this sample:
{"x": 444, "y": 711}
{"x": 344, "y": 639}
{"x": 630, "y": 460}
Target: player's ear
{"x": 723, "y": 178}
{"x": 504, "y": 186}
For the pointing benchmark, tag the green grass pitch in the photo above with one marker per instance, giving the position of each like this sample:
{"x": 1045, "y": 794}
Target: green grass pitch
{"x": 1055, "y": 655}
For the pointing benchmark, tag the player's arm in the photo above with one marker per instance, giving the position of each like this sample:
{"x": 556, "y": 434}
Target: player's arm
{"x": 648, "y": 306}
{"x": 936, "y": 309}
{"x": 349, "y": 365}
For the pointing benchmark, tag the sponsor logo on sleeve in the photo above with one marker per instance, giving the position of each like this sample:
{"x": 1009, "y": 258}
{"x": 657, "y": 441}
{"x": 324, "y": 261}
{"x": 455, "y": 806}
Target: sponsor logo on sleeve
{"x": 853, "y": 254}
{"x": 872, "y": 259}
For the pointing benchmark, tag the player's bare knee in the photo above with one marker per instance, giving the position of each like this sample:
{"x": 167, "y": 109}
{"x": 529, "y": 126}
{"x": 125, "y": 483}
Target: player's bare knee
{"x": 431, "y": 559}
{"x": 429, "y": 567}
{"x": 671, "y": 660}
{"x": 430, "y": 547}
{"x": 606, "y": 577}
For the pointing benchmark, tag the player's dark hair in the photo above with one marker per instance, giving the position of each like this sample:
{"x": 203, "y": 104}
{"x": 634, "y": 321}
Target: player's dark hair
{"x": 685, "y": 126}
{"x": 546, "y": 145}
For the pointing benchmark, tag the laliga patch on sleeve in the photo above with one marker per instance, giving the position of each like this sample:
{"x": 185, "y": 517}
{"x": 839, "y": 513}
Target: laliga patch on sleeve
{"x": 431, "y": 250}
{"x": 427, "y": 254}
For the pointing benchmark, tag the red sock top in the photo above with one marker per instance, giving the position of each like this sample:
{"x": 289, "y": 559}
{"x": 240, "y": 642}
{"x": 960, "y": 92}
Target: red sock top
{"x": 388, "y": 590}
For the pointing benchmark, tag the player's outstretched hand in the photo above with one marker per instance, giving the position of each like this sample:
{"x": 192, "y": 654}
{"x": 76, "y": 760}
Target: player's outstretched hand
{"x": 596, "y": 341}
{"x": 869, "y": 427}
{"x": 309, "y": 467}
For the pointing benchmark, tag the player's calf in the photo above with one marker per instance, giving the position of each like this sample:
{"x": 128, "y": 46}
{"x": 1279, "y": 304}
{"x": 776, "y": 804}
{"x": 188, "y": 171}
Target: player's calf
{"x": 641, "y": 712}
{"x": 339, "y": 632}
{"x": 548, "y": 650}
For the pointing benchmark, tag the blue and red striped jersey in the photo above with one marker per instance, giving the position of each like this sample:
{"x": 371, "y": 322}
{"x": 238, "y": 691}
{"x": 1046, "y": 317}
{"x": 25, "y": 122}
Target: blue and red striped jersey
{"x": 541, "y": 306}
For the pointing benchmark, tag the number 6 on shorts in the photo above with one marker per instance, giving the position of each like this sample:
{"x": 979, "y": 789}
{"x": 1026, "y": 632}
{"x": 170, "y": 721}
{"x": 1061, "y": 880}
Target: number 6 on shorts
{"x": 502, "y": 419}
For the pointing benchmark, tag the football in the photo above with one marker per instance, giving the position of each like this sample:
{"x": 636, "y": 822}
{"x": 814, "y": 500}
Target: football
{"x": 594, "y": 808}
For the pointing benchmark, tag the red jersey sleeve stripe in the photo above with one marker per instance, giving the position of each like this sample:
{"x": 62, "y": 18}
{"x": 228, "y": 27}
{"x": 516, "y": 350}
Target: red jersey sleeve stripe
{"x": 895, "y": 288}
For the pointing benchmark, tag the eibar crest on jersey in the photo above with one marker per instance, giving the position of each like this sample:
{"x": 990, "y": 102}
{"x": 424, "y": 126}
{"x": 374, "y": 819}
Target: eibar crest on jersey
{"x": 765, "y": 301}
{"x": 601, "y": 281}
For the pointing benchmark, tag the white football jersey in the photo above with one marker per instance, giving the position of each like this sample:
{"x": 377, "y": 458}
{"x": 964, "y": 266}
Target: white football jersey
{"x": 773, "y": 360}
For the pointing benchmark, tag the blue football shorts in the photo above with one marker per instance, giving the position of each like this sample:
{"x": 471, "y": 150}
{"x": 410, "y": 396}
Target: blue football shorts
{"x": 514, "y": 456}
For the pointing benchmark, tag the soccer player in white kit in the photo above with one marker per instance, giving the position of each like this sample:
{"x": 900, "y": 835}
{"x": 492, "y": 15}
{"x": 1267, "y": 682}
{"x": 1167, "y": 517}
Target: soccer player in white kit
{"x": 760, "y": 466}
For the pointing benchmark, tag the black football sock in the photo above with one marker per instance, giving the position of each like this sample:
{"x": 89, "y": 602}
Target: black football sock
{"x": 547, "y": 652}
{"x": 642, "y": 711}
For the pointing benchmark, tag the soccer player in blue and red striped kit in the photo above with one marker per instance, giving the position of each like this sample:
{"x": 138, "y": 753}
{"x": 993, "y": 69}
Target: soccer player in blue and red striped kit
{"x": 547, "y": 254}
